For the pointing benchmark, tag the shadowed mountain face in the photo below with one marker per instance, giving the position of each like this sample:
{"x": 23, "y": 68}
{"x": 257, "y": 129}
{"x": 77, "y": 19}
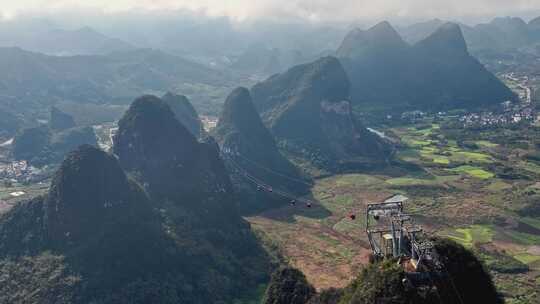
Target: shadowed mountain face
{"x": 98, "y": 237}
{"x": 166, "y": 157}
{"x": 88, "y": 185}
{"x": 435, "y": 73}
{"x": 94, "y": 224}
{"x": 189, "y": 180}
{"x": 250, "y": 145}
{"x": 307, "y": 108}
{"x": 9, "y": 123}
{"x": 42, "y": 145}
{"x": 59, "y": 120}
{"x": 31, "y": 82}
{"x": 499, "y": 39}
{"x": 184, "y": 112}
{"x": 381, "y": 37}
{"x": 30, "y": 143}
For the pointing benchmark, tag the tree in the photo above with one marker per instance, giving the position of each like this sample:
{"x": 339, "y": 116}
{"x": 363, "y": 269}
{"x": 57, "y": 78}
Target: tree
{"x": 288, "y": 286}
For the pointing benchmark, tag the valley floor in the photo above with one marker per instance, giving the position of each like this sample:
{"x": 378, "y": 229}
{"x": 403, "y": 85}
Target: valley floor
{"x": 475, "y": 191}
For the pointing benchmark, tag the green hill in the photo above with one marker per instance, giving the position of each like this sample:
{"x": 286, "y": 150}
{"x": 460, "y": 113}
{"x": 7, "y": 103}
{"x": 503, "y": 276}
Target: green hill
{"x": 98, "y": 236}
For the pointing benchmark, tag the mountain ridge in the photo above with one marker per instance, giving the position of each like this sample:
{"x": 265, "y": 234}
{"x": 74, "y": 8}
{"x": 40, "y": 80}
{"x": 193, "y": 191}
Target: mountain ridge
{"x": 249, "y": 144}
{"x": 307, "y": 109}
{"x": 446, "y": 76}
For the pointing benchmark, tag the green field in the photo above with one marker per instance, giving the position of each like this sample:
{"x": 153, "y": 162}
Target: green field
{"x": 473, "y": 171}
{"x": 472, "y": 235}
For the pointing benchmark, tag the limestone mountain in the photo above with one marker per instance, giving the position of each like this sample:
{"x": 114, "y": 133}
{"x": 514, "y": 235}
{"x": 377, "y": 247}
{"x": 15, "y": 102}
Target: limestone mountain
{"x": 65, "y": 141}
{"x": 9, "y": 123}
{"x": 95, "y": 229}
{"x": 380, "y": 38}
{"x": 59, "y": 120}
{"x": 152, "y": 143}
{"x": 501, "y": 36}
{"x": 308, "y": 110}
{"x": 32, "y": 82}
{"x": 373, "y": 60}
{"x": 188, "y": 180}
{"x": 419, "y": 31}
{"x": 97, "y": 237}
{"x": 30, "y": 143}
{"x": 447, "y": 40}
{"x": 184, "y": 112}
{"x": 251, "y": 146}
{"x": 42, "y": 145}
{"x": 436, "y": 73}
{"x": 449, "y": 77}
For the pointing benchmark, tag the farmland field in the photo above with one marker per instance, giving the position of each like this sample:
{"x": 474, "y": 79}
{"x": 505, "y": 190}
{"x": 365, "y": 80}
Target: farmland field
{"x": 463, "y": 191}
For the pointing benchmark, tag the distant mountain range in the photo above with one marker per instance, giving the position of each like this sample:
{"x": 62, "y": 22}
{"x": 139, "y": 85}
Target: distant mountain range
{"x": 435, "y": 73}
{"x": 44, "y": 37}
{"x": 258, "y": 59}
{"x": 32, "y": 81}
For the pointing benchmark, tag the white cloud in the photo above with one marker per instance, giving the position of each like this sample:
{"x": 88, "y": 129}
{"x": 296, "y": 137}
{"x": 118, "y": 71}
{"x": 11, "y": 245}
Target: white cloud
{"x": 315, "y": 10}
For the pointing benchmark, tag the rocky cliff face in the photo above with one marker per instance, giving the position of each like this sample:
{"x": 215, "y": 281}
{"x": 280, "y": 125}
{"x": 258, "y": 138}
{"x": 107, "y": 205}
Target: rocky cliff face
{"x": 308, "y": 110}
{"x": 188, "y": 180}
{"x": 184, "y": 112}
{"x": 248, "y": 144}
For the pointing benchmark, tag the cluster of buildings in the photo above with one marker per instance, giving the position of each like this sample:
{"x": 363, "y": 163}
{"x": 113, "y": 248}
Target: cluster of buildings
{"x": 21, "y": 171}
{"x": 511, "y": 114}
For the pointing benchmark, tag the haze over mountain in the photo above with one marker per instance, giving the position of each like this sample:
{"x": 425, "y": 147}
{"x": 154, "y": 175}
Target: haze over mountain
{"x": 45, "y": 144}
{"x": 499, "y": 35}
{"x": 33, "y": 81}
{"x": 435, "y": 73}
{"x": 249, "y": 144}
{"x": 307, "y": 109}
{"x": 44, "y": 37}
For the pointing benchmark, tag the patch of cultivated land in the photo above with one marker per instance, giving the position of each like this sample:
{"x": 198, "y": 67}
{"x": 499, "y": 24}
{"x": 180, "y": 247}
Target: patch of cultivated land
{"x": 471, "y": 186}
{"x": 9, "y": 196}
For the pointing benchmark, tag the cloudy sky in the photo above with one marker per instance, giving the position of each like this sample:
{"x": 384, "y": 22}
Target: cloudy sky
{"x": 313, "y": 10}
